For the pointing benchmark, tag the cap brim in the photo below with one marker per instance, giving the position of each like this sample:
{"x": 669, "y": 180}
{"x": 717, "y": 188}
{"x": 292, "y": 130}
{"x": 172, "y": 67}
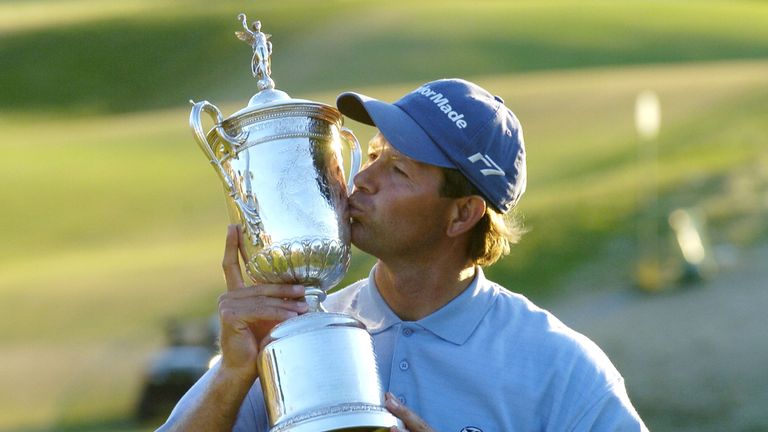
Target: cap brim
{"x": 396, "y": 125}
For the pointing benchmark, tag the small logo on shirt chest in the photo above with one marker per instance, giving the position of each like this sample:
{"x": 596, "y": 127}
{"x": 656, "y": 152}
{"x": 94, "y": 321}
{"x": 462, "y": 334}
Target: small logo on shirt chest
{"x": 471, "y": 429}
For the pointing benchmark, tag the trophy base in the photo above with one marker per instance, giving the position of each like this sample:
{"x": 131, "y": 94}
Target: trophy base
{"x": 345, "y": 418}
{"x": 319, "y": 374}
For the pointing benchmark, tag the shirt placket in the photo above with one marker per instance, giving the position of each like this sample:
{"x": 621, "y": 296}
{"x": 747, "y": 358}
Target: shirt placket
{"x": 401, "y": 380}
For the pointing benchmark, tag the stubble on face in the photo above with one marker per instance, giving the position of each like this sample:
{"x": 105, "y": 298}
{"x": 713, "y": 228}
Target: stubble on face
{"x": 396, "y": 208}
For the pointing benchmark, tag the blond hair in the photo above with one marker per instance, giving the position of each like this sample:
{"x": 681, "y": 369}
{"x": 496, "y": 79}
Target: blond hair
{"x": 495, "y": 233}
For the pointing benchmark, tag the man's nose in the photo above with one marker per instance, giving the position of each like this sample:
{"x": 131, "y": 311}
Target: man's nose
{"x": 363, "y": 181}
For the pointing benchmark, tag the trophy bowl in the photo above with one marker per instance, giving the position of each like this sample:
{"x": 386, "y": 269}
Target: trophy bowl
{"x": 282, "y": 170}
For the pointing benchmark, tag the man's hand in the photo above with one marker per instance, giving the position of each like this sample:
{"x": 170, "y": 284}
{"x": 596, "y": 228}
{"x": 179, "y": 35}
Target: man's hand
{"x": 412, "y": 422}
{"x": 248, "y": 313}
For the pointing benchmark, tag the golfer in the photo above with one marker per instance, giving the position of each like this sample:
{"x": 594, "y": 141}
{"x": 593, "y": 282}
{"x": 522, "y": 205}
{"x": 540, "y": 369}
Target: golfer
{"x": 456, "y": 352}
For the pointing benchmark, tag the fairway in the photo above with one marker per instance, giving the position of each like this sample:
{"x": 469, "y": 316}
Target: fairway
{"x": 113, "y": 222}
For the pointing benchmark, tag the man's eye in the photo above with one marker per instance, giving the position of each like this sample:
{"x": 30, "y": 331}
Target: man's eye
{"x": 372, "y": 157}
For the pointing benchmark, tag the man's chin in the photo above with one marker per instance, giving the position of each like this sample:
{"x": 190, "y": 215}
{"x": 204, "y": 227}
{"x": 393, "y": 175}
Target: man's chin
{"x": 354, "y": 234}
{"x": 359, "y": 239}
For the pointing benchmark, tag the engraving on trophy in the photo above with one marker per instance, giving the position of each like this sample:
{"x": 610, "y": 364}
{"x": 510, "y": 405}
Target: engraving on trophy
{"x": 310, "y": 261}
{"x": 349, "y": 408}
{"x": 271, "y": 129}
{"x": 254, "y": 231}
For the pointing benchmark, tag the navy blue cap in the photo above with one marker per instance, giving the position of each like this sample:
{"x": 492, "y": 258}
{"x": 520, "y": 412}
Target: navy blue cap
{"x": 452, "y": 123}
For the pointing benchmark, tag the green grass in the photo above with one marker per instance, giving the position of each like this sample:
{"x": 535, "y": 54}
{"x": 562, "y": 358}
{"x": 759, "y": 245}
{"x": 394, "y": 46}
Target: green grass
{"x": 159, "y": 54}
{"x": 113, "y": 221}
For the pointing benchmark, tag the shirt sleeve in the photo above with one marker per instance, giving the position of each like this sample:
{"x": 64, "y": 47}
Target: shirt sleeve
{"x": 246, "y": 418}
{"x": 252, "y": 416}
{"x": 187, "y": 401}
{"x": 611, "y": 412}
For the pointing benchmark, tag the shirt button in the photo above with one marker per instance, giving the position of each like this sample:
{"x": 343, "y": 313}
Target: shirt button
{"x": 401, "y": 399}
{"x": 407, "y": 332}
{"x": 404, "y": 365}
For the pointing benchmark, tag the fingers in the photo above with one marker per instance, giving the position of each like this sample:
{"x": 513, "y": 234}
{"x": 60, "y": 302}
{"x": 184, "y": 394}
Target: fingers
{"x": 249, "y": 306}
{"x": 231, "y": 263}
{"x": 412, "y": 422}
{"x": 268, "y": 290}
{"x": 257, "y": 309}
{"x": 247, "y": 315}
{"x": 241, "y": 243}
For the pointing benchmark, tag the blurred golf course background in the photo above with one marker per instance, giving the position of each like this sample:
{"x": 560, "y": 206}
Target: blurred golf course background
{"x": 112, "y": 222}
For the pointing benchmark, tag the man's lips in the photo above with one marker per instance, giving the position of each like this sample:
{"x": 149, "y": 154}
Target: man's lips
{"x": 355, "y": 208}
{"x": 355, "y": 212}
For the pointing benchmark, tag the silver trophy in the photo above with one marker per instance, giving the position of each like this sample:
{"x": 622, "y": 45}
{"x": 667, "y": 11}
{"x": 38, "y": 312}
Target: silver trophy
{"x": 280, "y": 162}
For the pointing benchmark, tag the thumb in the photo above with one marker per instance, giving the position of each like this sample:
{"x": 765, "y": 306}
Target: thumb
{"x": 412, "y": 422}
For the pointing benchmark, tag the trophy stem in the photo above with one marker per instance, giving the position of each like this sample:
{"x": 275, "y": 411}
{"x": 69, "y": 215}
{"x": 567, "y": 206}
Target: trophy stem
{"x": 314, "y": 297}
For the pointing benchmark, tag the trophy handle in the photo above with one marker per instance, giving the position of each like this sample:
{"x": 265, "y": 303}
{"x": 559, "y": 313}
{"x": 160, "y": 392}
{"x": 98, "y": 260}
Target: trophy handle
{"x": 230, "y": 142}
{"x": 354, "y": 147}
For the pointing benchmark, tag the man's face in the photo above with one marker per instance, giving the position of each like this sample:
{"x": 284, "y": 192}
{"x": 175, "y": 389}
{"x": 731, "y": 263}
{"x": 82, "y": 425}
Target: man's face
{"x": 396, "y": 209}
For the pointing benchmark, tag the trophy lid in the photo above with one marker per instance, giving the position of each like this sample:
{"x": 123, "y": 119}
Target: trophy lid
{"x": 261, "y": 68}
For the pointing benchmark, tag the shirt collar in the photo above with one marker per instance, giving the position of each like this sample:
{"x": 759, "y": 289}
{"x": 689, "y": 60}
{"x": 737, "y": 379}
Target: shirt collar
{"x": 372, "y": 310}
{"x": 454, "y": 322}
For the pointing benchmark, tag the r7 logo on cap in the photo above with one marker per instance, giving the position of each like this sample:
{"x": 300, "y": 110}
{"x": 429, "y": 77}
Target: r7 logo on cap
{"x": 496, "y": 170}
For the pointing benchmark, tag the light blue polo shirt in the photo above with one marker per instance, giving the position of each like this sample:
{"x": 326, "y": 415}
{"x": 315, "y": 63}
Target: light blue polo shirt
{"x": 489, "y": 360}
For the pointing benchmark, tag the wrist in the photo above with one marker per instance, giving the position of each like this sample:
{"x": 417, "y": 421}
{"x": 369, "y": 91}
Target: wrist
{"x": 234, "y": 379}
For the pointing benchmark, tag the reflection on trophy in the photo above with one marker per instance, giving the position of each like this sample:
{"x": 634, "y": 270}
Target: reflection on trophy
{"x": 280, "y": 162}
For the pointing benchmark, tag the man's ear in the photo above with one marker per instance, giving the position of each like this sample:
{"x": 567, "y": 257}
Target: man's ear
{"x": 465, "y": 213}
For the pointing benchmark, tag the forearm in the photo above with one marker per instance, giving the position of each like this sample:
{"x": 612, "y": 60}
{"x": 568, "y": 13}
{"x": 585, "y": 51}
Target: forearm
{"x": 215, "y": 405}
{"x": 246, "y": 314}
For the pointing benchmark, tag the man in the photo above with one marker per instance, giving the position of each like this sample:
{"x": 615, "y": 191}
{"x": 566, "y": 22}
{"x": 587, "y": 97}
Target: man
{"x": 455, "y": 351}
